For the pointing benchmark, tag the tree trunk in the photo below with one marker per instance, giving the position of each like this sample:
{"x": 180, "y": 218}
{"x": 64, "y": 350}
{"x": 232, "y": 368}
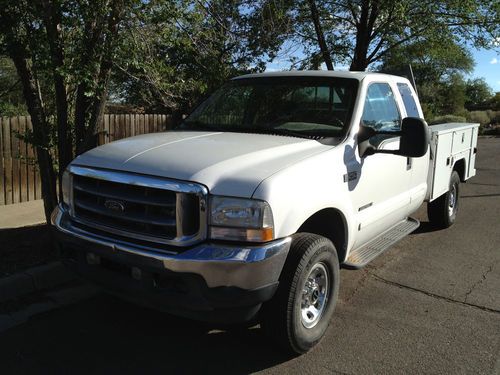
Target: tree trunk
{"x": 88, "y": 111}
{"x": 81, "y": 109}
{"x": 369, "y": 13}
{"x": 98, "y": 102}
{"x": 320, "y": 35}
{"x": 359, "y": 61}
{"x": 40, "y": 128}
{"x": 52, "y": 19}
{"x": 89, "y": 139}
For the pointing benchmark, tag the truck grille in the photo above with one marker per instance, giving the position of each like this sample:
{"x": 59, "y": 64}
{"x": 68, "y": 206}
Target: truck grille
{"x": 138, "y": 208}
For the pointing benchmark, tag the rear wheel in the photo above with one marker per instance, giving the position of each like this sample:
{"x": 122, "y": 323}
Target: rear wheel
{"x": 442, "y": 212}
{"x": 300, "y": 312}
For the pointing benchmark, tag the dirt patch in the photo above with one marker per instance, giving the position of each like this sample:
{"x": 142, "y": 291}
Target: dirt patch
{"x": 22, "y": 248}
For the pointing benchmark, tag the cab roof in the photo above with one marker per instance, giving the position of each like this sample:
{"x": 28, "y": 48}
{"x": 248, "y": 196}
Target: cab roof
{"x": 323, "y": 73}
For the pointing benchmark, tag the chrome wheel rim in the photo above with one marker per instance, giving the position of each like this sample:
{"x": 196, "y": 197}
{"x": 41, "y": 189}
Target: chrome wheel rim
{"x": 314, "y": 295}
{"x": 452, "y": 204}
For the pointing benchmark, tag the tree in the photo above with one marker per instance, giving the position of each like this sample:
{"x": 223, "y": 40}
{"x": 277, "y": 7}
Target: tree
{"x": 16, "y": 29}
{"x": 181, "y": 50}
{"x": 453, "y": 94}
{"x": 477, "y": 93}
{"x": 436, "y": 65}
{"x": 495, "y": 102}
{"x": 63, "y": 52}
{"x": 11, "y": 94}
{"x": 431, "y": 60}
{"x": 320, "y": 35}
{"x": 361, "y": 32}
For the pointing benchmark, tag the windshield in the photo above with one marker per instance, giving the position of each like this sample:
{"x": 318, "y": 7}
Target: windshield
{"x": 296, "y": 106}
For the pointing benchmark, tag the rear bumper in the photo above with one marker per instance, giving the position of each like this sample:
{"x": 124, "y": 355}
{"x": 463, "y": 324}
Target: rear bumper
{"x": 211, "y": 282}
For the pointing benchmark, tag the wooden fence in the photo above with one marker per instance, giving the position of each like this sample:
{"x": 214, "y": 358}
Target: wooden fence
{"x": 19, "y": 177}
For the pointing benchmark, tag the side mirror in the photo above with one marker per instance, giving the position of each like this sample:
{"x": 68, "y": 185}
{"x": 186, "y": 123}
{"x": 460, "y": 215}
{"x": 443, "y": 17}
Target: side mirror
{"x": 413, "y": 141}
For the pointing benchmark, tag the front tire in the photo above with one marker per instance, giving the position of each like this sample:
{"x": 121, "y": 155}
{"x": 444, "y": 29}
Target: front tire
{"x": 300, "y": 312}
{"x": 442, "y": 212}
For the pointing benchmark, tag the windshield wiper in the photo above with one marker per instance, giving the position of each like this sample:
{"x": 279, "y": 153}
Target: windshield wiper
{"x": 288, "y": 132}
{"x": 253, "y": 130}
{"x": 195, "y": 125}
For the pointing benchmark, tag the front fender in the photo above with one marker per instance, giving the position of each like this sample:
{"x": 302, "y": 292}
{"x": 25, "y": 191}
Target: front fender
{"x": 299, "y": 191}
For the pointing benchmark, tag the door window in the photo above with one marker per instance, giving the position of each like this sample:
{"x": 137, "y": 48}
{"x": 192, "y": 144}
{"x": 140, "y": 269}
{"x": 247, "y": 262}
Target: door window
{"x": 381, "y": 111}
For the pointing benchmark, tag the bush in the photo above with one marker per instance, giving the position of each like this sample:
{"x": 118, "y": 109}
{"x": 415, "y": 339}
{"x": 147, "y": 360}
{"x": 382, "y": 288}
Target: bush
{"x": 495, "y": 130}
{"x": 480, "y": 117}
{"x": 446, "y": 118}
{"x": 11, "y": 110}
{"x": 494, "y": 116}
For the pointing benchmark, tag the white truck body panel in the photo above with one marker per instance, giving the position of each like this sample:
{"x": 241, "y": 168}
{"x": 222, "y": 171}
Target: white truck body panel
{"x": 232, "y": 164}
{"x": 450, "y": 143}
{"x": 300, "y": 177}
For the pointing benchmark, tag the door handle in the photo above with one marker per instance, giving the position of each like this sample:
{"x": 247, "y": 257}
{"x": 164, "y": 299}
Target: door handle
{"x": 409, "y": 162}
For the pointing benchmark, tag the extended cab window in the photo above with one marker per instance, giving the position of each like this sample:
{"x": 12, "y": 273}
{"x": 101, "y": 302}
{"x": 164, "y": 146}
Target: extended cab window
{"x": 381, "y": 111}
{"x": 408, "y": 100}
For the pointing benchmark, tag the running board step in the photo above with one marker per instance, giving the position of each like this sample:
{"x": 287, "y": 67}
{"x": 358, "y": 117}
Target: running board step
{"x": 364, "y": 255}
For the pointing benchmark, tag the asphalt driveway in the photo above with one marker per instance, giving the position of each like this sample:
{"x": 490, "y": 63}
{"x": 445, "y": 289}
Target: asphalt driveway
{"x": 431, "y": 304}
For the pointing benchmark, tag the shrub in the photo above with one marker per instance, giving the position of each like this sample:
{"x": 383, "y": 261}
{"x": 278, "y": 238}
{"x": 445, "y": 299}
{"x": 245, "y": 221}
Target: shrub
{"x": 495, "y": 130}
{"x": 11, "y": 110}
{"x": 480, "y": 117}
{"x": 446, "y": 118}
{"x": 494, "y": 117}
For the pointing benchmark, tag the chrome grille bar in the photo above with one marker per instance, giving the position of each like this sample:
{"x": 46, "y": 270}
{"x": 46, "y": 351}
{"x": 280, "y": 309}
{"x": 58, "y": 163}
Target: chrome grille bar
{"x": 146, "y": 219}
{"x": 108, "y": 193}
{"x": 138, "y": 206}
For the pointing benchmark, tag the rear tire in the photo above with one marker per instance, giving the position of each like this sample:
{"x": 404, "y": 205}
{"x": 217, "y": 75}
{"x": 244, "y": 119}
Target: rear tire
{"x": 300, "y": 312}
{"x": 442, "y": 212}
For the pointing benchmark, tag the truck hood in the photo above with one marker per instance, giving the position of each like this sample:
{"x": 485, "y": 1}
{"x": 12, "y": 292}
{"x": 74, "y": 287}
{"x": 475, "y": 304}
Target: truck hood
{"x": 227, "y": 163}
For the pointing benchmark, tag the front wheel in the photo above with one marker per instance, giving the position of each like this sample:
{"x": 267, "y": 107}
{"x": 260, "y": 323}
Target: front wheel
{"x": 442, "y": 212}
{"x": 300, "y": 312}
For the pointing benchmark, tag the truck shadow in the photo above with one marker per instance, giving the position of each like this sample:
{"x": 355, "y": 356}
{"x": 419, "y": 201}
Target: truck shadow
{"x": 354, "y": 167}
{"x": 480, "y": 196}
{"x": 107, "y": 335}
{"x": 425, "y": 227}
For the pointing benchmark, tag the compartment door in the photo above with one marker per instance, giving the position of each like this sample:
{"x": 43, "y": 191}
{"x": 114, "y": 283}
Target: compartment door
{"x": 442, "y": 165}
{"x": 473, "y": 151}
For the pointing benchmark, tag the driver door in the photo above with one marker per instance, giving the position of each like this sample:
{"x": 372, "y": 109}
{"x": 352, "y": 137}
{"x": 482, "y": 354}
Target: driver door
{"x": 380, "y": 196}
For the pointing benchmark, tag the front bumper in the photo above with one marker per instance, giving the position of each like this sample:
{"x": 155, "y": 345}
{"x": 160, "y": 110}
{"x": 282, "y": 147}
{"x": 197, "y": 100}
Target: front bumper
{"x": 210, "y": 281}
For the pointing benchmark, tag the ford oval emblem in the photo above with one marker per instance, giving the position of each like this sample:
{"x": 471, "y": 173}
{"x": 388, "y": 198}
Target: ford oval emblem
{"x": 115, "y": 206}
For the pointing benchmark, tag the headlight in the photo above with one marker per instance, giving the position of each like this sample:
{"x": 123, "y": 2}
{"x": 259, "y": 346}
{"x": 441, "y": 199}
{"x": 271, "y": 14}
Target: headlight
{"x": 66, "y": 188}
{"x": 240, "y": 219}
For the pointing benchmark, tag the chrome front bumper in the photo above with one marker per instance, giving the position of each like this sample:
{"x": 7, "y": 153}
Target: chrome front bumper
{"x": 220, "y": 265}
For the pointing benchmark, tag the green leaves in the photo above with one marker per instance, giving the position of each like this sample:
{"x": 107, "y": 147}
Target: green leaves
{"x": 176, "y": 52}
{"x": 362, "y": 32}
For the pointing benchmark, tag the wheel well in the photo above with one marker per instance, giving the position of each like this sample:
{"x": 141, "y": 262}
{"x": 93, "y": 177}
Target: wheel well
{"x": 329, "y": 223}
{"x": 460, "y": 168}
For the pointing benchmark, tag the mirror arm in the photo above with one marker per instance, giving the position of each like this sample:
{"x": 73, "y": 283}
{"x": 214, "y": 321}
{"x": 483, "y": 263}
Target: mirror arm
{"x": 373, "y": 151}
{"x": 400, "y": 133}
{"x": 392, "y": 152}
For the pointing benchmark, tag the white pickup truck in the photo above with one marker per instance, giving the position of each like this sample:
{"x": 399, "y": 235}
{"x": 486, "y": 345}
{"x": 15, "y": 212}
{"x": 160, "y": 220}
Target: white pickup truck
{"x": 249, "y": 208}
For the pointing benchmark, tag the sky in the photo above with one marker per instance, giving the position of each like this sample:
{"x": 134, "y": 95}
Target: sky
{"x": 487, "y": 66}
